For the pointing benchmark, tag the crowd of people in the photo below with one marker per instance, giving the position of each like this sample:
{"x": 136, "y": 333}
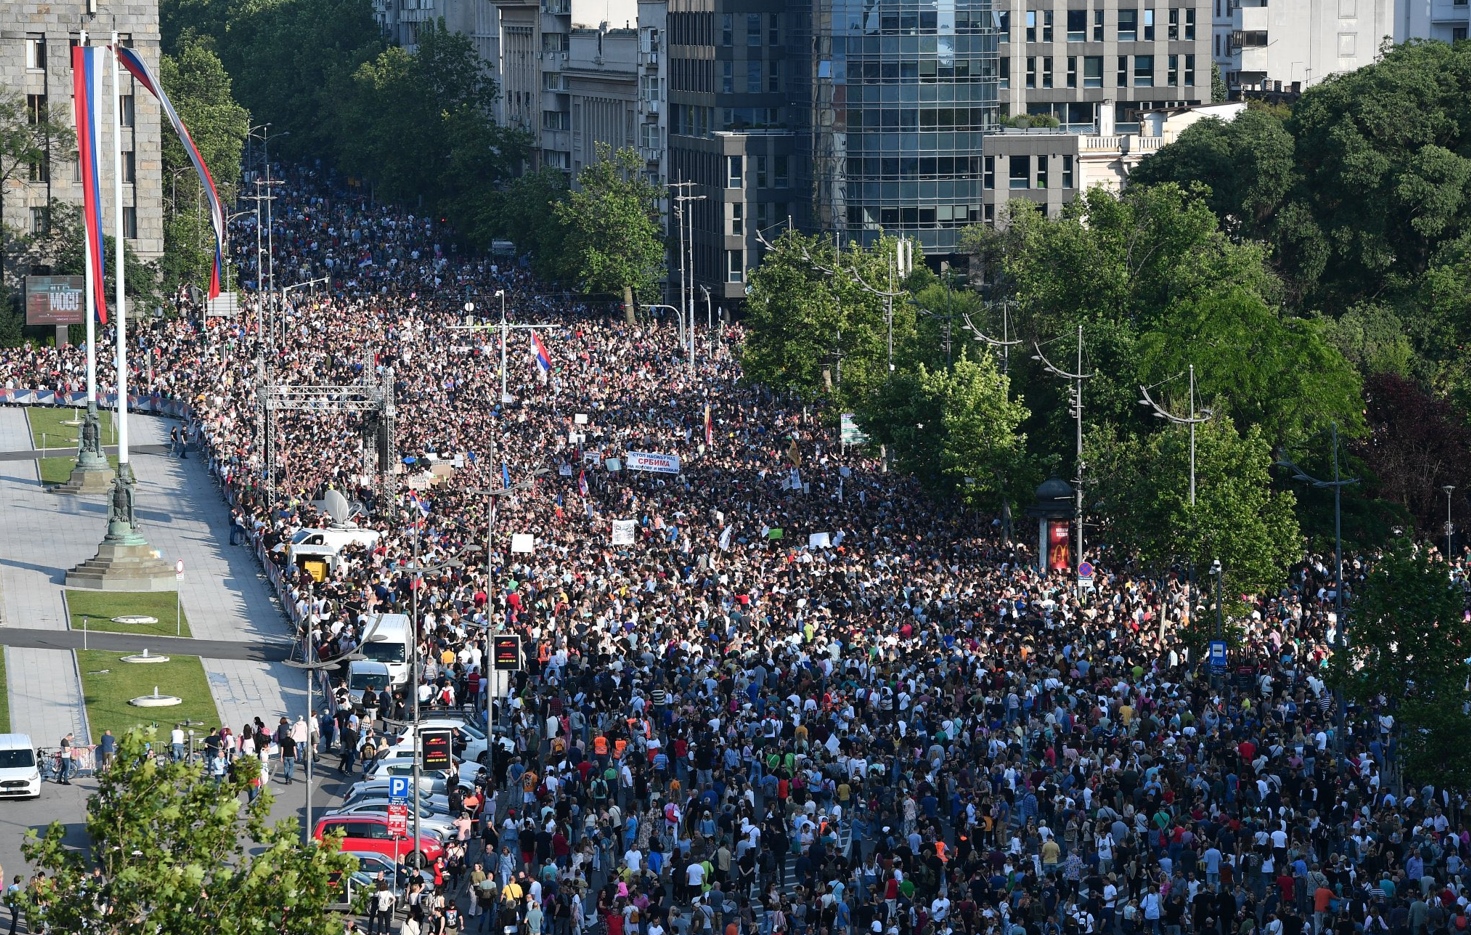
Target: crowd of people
{"x": 899, "y": 727}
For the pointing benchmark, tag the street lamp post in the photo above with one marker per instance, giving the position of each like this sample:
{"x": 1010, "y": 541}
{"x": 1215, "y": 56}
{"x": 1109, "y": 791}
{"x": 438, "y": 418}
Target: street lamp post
{"x": 1340, "y": 626}
{"x": 418, "y": 570}
{"x": 1449, "y": 527}
{"x": 1077, "y": 379}
{"x": 1192, "y": 420}
{"x": 1220, "y": 619}
{"x": 312, "y": 667}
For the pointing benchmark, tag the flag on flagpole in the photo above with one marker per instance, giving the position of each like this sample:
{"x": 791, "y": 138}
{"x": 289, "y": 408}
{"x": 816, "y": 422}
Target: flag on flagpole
{"x": 582, "y": 483}
{"x": 539, "y": 353}
{"x": 140, "y": 71}
{"x": 725, "y": 538}
{"x": 84, "y": 103}
{"x": 505, "y": 476}
{"x": 709, "y": 428}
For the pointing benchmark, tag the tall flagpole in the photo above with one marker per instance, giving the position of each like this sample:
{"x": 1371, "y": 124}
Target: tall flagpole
{"x": 92, "y": 474}
{"x": 118, "y": 251}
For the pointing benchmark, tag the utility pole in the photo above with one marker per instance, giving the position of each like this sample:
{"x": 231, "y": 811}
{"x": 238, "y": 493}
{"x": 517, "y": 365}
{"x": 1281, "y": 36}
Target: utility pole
{"x": 1191, "y": 420}
{"x": 1340, "y": 627}
{"x": 1450, "y": 527}
{"x": 1077, "y": 379}
{"x": 504, "y": 328}
{"x": 686, "y": 274}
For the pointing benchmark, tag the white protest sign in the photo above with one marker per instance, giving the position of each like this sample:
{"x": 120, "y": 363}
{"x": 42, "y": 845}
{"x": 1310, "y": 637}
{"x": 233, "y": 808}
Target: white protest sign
{"x": 623, "y": 531}
{"x": 819, "y": 540}
{"x": 522, "y": 542}
{"x": 651, "y": 461}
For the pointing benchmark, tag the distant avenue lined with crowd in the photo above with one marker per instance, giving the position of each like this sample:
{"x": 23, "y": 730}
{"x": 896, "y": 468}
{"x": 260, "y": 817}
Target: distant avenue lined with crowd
{"x": 909, "y": 730}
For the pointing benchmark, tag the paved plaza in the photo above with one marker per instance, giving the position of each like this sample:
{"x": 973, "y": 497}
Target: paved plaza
{"x": 225, "y": 596}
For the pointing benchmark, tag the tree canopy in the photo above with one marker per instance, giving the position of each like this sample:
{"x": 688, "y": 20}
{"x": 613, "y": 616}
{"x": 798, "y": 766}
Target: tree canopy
{"x": 178, "y": 852}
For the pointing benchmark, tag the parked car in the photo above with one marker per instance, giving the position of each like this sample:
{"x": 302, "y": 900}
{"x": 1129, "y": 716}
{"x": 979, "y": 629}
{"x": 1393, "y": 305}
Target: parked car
{"x": 370, "y": 833}
{"x": 440, "y": 823}
{"x": 428, "y": 781}
{"x": 469, "y": 743}
{"x": 377, "y": 792}
{"x": 371, "y": 864}
{"x": 19, "y": 773}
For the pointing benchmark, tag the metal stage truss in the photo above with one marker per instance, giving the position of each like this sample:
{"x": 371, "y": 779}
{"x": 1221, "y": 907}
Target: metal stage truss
{"x": 354, "y": 397}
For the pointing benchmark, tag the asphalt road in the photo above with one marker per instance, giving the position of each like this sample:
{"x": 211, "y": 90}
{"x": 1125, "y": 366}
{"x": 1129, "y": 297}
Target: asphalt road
{"x": 257, "y": 651}
{"x": 66, "y": 451}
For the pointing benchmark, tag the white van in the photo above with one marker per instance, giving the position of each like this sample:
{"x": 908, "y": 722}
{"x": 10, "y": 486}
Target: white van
{"x": 388, "y": 638}
{"x": 362, "y": 673}
{"x": 19, "y": 774}
{"x": 316, "y": 550}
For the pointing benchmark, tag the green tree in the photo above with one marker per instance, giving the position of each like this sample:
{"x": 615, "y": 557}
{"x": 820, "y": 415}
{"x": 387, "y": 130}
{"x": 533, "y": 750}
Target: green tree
{"x": 614, "y": 243}
{"x": 292, "y": 62}
{"x": 1248, "y": 164}
{"x": 1407, "y": 652}
{"x": 197, "y": 84}
{"x": 30, "y": 144}
{"x": 1144, "y": 489}
{"x": 813, "y": 329}
{"x": 948, "y": 425}
{"x": 418, "y": 125}
{"x": 180, "y": 853}
{"x": 1218, "y": 85}
{"x": 523, "y": 211}
{"x": 1386, "y": 175}
{"x": 1270, "y": 371}
{"x": 1372, "y": 338}
{"x": 60, "y": 247}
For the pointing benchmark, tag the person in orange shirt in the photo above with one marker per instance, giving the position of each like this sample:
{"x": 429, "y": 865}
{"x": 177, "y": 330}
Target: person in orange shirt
{"x": 619, "y": 746}
{"x": 600, "y": 750}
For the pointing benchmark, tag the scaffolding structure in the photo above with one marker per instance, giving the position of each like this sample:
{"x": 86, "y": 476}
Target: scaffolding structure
{"x": 366, "y": 397}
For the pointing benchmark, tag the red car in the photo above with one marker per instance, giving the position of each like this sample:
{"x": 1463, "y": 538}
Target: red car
{"x": 370, "y": 833}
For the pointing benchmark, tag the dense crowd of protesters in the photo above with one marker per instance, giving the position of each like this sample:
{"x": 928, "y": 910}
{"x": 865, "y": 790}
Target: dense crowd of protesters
{"x": 904, "y": 729}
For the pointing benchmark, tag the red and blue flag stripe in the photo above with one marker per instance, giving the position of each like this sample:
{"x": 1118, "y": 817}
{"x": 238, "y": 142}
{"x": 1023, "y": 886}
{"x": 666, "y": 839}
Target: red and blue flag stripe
{"x": 84, "y": 103}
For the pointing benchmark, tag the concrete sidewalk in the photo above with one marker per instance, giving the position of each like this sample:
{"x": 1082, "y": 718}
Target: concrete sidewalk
{"x": 183, "y": 515}
{"x": 45, "y": 695}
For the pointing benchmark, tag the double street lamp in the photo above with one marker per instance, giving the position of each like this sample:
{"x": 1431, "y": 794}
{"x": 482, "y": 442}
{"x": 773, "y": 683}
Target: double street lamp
{"x": 312, "y": 666}
{"x": 1340, "y": 641}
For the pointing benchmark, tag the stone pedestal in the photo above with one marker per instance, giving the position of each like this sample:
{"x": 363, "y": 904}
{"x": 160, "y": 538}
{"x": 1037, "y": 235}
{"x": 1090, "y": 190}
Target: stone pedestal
{"x": 87, "y": 481}
{"x": 93, "y": 474}
{"x": 124, "y": 560}
{"x": 119, "y": 567}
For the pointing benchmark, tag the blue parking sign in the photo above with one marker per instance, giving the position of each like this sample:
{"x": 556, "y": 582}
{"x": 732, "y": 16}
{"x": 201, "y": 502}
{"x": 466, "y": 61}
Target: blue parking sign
{"x": 1218, "y": 655}
{"x": 398, "y": 787}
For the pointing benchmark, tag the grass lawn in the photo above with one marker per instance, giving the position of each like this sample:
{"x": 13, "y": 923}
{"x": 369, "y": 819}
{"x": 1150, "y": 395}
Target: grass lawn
{"x": 48, "y": 419}
{"x": 99, "y": 607}
{"x": 4, "y": 699}
{"x": 59, "y": 470}
{"x": 108, "y": 683}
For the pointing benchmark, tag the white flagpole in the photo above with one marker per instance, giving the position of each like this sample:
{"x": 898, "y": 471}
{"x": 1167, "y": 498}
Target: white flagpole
{"x": 118, "y": 250}
{"x": 87, "y": 256}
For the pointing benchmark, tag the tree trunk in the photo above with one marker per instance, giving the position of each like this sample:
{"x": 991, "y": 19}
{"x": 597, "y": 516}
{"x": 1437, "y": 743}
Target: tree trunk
{"x": 628, "y": 306}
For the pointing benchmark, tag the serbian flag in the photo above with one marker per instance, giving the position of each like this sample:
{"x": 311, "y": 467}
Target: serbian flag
{"x": 419, "y": 506}
{"x": 84, "y": 103}
{"x": 582, "y": 483}
{"x": 709, "y": 429}
{"x": 135, "y": 65}
{"x": 539, "y": 353}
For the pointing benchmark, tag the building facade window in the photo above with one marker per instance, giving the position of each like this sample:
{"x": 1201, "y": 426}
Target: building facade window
{"x": 1144, "y": 71}
{"x": 1031, "y": 71}
{"x": 1072, "y": 71}
{"x": 763, "y": 177}
{"x": 40, "y": 220}
{"x": 989, "y": 168}
{"x": 1097, "y": 25}
{"x": 1019, "y": 172}
{"x": 1190, "y": 25}
{"x": 1031, "y": 25}
{"x": 1093, "y": 71}
{"x": 1128, "y": 25}
{"x": 734, "y": 172}
{"x": 35, "y": 52}
{"x": 1173, "y": 74}
{"x": 1042, "y": 171}
{"x": 1003, "y": 73}
{"x": 737, "y": 219}
{"x": 753, "y": 76}
{"x": 130, "y": 167}
{"x": 1046, "y": 25}
{"x": 130, "y": 223}
{"x": 727, "y": 77}
{"x": 1189, "y": 71}
{"x": 1047, "y": 71}
{"x": 39, "y": 170}
{"x": 753, "y": 29}
{"x": 773, "y": 29}
{"x": 735, "y": 266}
{"x": 1173, "y": 28}
{"x": 782, "y": 178}
{"x": 727, "y": 29}
{"x": 1148, "y": 25}
{"x": 35, "y": 108}
{"x": 125, "y": 106}
{"x": 1077, "y": 25}
{"x": 1067, "y": 171}
{"x": 1003, "y": 25}
{"x": 1123, "y": 76}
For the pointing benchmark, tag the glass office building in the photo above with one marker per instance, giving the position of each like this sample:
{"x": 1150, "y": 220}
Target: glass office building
{"x": 902, "y": 92}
